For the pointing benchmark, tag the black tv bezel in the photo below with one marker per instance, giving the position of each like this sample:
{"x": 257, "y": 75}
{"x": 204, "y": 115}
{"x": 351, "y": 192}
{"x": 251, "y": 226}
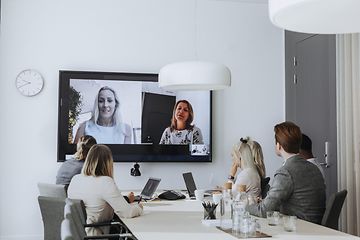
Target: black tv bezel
{"x": 121, "y": 152}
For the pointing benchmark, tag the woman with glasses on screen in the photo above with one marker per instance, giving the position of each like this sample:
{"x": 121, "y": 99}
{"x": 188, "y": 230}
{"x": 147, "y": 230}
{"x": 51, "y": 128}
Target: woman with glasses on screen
{"x": 181, "y": 130}
{"x": 97, "y": 188}
{"x": 106, "y": 124}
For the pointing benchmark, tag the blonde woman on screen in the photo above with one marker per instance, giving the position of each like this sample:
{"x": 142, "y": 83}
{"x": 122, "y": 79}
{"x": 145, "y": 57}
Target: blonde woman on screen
{"x": 181, "y": 130}
{"x": 97, "y": 188}
{"x": 106, "y": 124}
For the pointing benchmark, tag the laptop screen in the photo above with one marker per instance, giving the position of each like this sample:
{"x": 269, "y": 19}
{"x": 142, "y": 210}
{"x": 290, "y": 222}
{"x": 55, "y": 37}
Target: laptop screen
{"x": 150, "y": 188}
{"x": 190, "y": 183}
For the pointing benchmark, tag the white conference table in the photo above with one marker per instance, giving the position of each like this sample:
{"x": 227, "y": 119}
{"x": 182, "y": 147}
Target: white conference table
{"x": 181, "y": 219}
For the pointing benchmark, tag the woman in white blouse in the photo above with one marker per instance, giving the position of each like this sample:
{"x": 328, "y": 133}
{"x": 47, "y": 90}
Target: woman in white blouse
{"x": 182, "y": 130}
{"x": 97, "y": 188}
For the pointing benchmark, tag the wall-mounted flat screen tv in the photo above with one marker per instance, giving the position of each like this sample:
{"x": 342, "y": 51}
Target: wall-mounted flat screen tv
{"x": 139, "y": 121}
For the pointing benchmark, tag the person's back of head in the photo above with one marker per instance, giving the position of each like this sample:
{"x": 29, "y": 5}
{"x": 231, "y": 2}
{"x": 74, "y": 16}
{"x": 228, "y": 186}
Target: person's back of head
{"x": 83, "y": 146}
{"x": 258, "y": 157}
{"x": 306, "y": 147}
{"x": 288, "y": 135}
{"x": 246, "y": 156}
{"x": 99, "y": 162}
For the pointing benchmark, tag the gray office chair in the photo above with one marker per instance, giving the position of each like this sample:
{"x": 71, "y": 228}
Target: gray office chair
{"x": 52, "y": 213}
{"x": 73, "y": 227}
{"x": 265, "y": 186}
{"x": 52, "y": 190}
{"x": 333, "y": 209}
{"x": 79, "y": 207}
{"x": 68, "y": 231}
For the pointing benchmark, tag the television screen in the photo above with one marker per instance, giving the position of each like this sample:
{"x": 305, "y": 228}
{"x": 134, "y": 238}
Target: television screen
{"x": 139, "y": 121}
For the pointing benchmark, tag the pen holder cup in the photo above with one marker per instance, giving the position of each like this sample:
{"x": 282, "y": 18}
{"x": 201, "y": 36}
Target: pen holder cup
{"x": 210, "y": 213}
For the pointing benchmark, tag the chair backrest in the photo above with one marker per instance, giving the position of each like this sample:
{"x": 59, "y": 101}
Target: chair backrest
{"x": 67, "y": 230}
{"x": 72, "y": 227}
{"x": 265, "y": 186}
{"x": 52, "y": 213}
{"x": 52, "y": 190}
{"x": 78, "y": 206}
{"x": 333, "y": 209}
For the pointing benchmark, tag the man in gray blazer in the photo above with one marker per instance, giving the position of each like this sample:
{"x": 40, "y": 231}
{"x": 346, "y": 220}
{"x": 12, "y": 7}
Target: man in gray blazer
{"x": 298, "y": 187}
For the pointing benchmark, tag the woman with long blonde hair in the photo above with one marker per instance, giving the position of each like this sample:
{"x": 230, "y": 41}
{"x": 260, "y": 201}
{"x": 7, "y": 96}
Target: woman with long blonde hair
{"x": 243, "y": 158}
{"x": 256, "y": 150}
{"x": 98, "y": 190}
{"x": 258, "y": 157}
{"x": 106, "y": 124}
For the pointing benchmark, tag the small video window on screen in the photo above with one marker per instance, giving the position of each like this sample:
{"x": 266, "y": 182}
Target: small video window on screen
{"x": 139, "y": 113}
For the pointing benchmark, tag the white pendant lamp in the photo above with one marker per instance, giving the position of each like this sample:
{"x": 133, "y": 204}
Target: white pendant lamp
{"x": 316, "y": 16}
{"x": 194, "y": 75}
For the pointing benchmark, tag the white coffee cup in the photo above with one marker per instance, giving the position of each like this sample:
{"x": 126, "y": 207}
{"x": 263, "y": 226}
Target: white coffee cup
{"x": 217, "y": 197}
{"x": 199, "y": 194}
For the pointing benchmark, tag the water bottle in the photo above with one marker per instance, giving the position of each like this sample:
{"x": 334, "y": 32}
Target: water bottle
{"x": 238, "y": 213}
{"x": 239, "y": 209}
{"x": 226, "y": 207}
{"x": 247, "y": 226}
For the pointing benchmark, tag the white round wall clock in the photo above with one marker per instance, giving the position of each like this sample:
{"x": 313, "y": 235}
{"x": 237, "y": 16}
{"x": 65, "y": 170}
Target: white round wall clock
{"x": 29, "y": 82}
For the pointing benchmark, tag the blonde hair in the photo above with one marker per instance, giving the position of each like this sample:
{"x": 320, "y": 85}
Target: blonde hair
{"x": 243, "y": 154}
{"x": 83, "y": 146}
{"x": 116, "y": 117}
{"x": 99, "y": 162}
{"x": 236, "y": 153}
{"x": 246, "y": 156}
{"x": 258, "y": 157}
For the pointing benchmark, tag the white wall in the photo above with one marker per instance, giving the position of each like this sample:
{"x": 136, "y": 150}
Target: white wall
{"x": 133, "y": 36}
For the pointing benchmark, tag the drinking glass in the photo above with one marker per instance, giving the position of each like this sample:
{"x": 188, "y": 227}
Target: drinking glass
{"x": 289, "y": 223}
{"x": 273, "y": 218}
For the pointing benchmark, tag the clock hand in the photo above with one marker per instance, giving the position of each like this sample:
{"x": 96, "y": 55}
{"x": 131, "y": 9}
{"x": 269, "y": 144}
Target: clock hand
{"x": 27, "y": 83}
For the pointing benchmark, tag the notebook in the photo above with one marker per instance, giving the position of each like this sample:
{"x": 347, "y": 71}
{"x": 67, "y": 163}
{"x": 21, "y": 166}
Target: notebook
{"x": 149, "y": 189}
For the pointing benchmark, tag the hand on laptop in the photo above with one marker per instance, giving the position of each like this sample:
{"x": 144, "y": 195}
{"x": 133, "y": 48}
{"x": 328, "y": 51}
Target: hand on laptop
{"x": 131, "y": 197}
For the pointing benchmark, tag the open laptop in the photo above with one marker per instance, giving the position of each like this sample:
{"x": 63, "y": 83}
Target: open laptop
{"x": 191, "y": 186}
{"x": 149, "y": 189}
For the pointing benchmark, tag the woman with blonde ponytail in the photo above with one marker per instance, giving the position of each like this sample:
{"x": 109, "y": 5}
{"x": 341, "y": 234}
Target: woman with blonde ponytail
{"x": 249, "y": 176}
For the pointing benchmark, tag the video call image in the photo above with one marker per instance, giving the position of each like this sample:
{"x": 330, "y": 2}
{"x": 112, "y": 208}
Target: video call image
{"x": 135, "y": 112}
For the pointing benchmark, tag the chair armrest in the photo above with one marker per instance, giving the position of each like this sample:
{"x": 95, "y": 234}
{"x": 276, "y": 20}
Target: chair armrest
{"x": 118, "y": 227}
{"x": 99, "y": 224}
{"x": 111, "y": 236}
